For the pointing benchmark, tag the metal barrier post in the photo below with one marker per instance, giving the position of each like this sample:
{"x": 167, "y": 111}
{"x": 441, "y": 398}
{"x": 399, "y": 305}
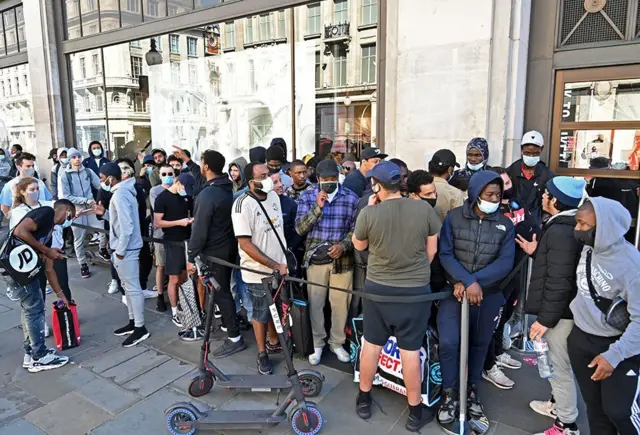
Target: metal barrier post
{"x": 523, "y": 344}
{"x": 464, "y": 428}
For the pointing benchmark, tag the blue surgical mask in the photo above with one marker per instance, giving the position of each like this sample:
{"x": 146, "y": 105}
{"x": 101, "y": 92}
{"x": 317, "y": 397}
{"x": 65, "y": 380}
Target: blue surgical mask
{"x": 182, "y": 192}
{"x": 149, "y": 170}
{"x": 487, "y": 207}
{"x": 64, "y": 161}
{"x": 2, "y": 157}
{"x": 105, "y": 187}
{"x": 530, "y": 161}
{"x": 29, "y": 172}
{"x": 97, "y": 152}
{"x": 475, "y": 167}
{"x": 67, "y": 223}
{"x": 167, "y": 179}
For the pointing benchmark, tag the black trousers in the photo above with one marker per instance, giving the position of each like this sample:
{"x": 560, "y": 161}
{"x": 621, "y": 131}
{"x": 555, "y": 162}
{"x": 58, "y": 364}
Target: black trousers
{"x": 613, "y": 405}
{"x": 223, "y": 298}
{"x": 60, "y": 266}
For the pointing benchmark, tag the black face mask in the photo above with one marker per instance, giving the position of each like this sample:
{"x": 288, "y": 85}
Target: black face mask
{"x": 274, "y": 170}
{"x": 588, "y": 237}
{"x": 507, "y": 194}
{"x": 430, "y": 201}
{"x": 329, "y": 186}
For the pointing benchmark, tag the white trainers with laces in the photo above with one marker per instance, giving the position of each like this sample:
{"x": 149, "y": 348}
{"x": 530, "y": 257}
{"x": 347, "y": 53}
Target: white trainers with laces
{"x": 51, "y": 360}
{"x": 314, "y": 358}
{"x": 149, "y": 294}
{"x": 505, "y": 360}
{"x": 498, "y": 378}
{"x": 544, "y": 407}
{"x": 113, "y": 287}
{"x": 343, "y": 355}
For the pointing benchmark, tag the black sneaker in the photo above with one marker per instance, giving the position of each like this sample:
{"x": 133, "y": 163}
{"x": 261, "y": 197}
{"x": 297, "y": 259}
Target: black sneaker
{"x": 138, "y": 335}
{"x": 84, "y": 270}
{"x": 423, "y": 416}
{"x": 125, "y": 330}
{"x": 264, "y": 366}
{"x": 363, "y": 405}
{"x": 448, "y": 407}
{"x": 103, "y": 254}
{"x": 273, "y": 348}
{"x": 473, "y": 403}
{"x": 229, "y": 348}
{"x": 161, "y": 305}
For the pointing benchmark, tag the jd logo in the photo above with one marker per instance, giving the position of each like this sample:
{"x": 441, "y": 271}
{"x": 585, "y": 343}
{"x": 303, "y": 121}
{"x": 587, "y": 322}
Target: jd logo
{"x": 23, "y": 259}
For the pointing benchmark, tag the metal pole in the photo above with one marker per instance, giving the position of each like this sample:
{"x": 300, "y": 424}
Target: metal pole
{"x": 464, "y": 356}
{"x": 637, "y": 239}
{"x": 292, "y": 42}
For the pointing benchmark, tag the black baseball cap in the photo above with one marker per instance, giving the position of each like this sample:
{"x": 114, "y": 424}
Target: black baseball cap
{"x": 371, "y": 152}
{"x": 53, "y": 153}
{"x": 444, "y": 159}
{"x": 327, "y": 168}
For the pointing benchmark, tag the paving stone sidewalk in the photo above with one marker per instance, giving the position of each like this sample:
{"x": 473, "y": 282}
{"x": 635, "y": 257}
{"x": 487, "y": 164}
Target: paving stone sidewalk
{"x": 108, "y": 390}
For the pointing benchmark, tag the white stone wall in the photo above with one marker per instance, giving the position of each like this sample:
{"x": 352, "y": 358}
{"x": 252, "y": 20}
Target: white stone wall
{"x": 455, "y": 70}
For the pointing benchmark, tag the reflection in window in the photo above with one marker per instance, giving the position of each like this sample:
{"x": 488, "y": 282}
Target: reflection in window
{"x": 175, "y": 72}
{"x": 369, "y": 64}
{"x": 16, "y": 114}
{"x": 340, "y": 11}
{"x": 83, "y": 68}
{"x": 313, "y": 19}
{"x": 10, "y": 33}
{"x": 22, "y": 43}
{"x": 130, "y": 12}
{"x": 152, "y": 8}
{"x": 133, "y": 5}
{"x": 136, "y": 66}
{"x": 91, "y": 5}
{"x": 339, "y": 65}
{"x": 616, "y": 100}
{"x": 95, "y": 60}
{"x": 612, "y": 147}
{"x": 180, "y": 6}
{"x": 369, "y": 12}
{"x": 318, "y": 70}
{"x": 174, "y": 41}
{"x": 230, "y": 35}
{"x": 192, "y": 46}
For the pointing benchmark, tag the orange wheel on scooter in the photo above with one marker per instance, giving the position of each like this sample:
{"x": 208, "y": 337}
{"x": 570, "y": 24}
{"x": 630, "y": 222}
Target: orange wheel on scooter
{"x": 306, "y": 421}
{"x": 200, "y": 386}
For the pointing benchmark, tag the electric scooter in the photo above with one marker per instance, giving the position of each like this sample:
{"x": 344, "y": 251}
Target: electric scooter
{"x": 184, "y": 418}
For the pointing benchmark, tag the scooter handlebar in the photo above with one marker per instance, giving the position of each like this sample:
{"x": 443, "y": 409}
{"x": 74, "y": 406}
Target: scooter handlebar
{"x": 205, "y": 274}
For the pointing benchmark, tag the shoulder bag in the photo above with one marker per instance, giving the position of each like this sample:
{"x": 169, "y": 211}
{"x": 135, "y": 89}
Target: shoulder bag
{"x": 615, "y": 310}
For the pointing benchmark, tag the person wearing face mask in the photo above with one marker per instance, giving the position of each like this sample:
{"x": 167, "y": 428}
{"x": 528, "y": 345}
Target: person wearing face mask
{"x": 530, "y": 175}
{"x": 146, "y": 170}
{"x": 61, "y": 162}
{"x": 76, "y": 183}
{"x": 476, "y": 250}
{"x": 15, "y": 151}
{"x": 477, "y": 157}
{"x": 441, "y": 167}
{"x": 159, "y": 158}
{"x": 356, "y": 181}
{"x": 276, "y": 157}
{"x": 96, "y": 157}
{"x": 35, "y": 230}
{"x": 326, "y": 215}
{"x": 604, "y": 354}
{"x": 173, "y": 210}
{"x": 25, "y": 163}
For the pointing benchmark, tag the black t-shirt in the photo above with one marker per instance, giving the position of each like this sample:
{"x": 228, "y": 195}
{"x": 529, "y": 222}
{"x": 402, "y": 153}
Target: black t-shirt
{"x": 43, "y": 217}
{"x": 174, "y": 207}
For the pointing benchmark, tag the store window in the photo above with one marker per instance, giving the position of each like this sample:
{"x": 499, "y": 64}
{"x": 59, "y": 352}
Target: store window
{"x": 597, "y": 116}
{"x": 369, "y": 12}
{"x": 313, "y": 19}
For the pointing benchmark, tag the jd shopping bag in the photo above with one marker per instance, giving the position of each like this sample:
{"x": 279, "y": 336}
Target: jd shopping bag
{"x": 65, "y": 325}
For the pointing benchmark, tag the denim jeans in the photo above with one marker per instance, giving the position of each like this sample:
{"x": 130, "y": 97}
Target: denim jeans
{"x": 241, "y": 294}
{"x": 32, "y": 319}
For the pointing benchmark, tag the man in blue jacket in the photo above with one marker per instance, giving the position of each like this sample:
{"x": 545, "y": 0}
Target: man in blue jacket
{"x": 97, "y": 157}
{"x": 476, "y": 250}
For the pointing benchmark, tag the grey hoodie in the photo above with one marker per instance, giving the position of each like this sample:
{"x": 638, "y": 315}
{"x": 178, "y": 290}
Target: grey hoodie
{"x": 75, "y": 184}
{"x": 615, "y": 266}
{"x": 124, "y": 231}
{"x": 240, "y": 162}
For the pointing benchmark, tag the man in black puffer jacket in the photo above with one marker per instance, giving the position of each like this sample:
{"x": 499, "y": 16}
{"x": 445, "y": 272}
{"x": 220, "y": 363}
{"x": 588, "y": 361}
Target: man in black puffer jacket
{"x": 552, "y": 288}
{"x": 476, "y": 250}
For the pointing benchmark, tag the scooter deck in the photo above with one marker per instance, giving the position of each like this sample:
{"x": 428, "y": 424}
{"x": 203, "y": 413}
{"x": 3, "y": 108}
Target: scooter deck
{"x": 256, "y": 383}
{"x": 239, "y": 420}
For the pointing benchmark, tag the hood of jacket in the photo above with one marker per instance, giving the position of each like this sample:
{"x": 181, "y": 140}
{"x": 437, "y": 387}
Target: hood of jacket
{"x": 128, "y": 184}
{"x": 240, "y": 162}
{"x": 60, "y": 151}
{"x": 222, "y": 181}
{"x": 563, "y": 216}
{"x": 612, "y": 223}
{"x": 280, "y": 142}
{"x": 478, "y": 182}
{"x": 258, "y": 154}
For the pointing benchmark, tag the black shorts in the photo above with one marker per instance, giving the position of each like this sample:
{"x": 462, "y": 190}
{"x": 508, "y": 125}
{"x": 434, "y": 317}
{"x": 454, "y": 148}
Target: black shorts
{"x": 175, "y": 260}
{"x": 407, "y": 322}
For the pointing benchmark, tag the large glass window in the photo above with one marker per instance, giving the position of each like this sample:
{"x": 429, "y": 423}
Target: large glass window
{"x": 313, "y": 19}
{"x": 339, "y": 64}
{"x": 369, "y": 64}
{"x": 340, "y": 11}
{"x": 230, "y": 35}
{"x": 16, "y": 110}
{"x": 130, "y": 12}
{"x": 597, "y": 116}
{"x": 265, "y": 27}
{"x": 369, "y": 12}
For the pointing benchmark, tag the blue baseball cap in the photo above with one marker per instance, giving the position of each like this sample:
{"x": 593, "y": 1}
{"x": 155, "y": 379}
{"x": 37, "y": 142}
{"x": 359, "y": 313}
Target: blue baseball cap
{"x": 148, "y": 160}
{"x": 188, "y": 181}
{"x": 567, "y": 190}
{"x": 386, "y": 172}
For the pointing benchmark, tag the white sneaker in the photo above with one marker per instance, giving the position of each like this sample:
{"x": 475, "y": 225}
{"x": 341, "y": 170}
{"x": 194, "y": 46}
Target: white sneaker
{"x": 124, "y": 299}
{"x": 47, "y": 330}
{"x": 544, "y": 407}
{"x": 342, "y": 354}
{"x": 505, "y": 360}
{"x": 498, "y": 378}
{"x": 113, "y": 287}
{"x": 50, "y": 361}
{"x": 26, "y": 361}
{"x": 314, "y": 358}
{"x": 149, "y": 294}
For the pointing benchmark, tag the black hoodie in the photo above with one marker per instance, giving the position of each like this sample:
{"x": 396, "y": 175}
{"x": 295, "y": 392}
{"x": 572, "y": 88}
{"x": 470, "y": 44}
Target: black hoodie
{"x": 212, "y": 229}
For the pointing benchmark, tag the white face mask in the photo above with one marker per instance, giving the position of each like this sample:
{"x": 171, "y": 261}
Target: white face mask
{"x": 267, "y": 185}
{"x": 64, "y": 160}
{"x": 96, "y": 152}
{"x": 475, "y": 167}
{"x": 487, "y": 207}
{"x": 530, "y": 161}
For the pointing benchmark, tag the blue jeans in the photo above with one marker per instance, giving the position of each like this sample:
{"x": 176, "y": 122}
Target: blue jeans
{"x": 241, "y": 294}
{"x": 482, "y": 322}
{"x": 32, "y": 319}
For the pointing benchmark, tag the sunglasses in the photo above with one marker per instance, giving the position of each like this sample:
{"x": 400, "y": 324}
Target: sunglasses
{"x": 166, "y": 174}
{"x": 346, "y": 169}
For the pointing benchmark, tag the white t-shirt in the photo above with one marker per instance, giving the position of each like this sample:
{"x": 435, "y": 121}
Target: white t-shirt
{"x": 249, "y": 221}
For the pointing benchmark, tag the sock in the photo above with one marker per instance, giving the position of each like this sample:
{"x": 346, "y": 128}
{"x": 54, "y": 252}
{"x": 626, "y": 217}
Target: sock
{"x": 364, "y": 396}
{"x": 570, "y": 426}
{"x": 235, "y": 339}
{"x": 174, "y": 311}
{"x": 415, "y": 411}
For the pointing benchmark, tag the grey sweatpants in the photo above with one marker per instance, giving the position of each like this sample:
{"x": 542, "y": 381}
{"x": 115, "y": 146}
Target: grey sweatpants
{"x": 563, "y": 383}
{"x": 79, "y": 235}
{"x": 129, "y": 272}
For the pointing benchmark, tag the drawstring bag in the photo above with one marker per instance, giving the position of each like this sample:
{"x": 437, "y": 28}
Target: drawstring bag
{"x": 65, "y": 325}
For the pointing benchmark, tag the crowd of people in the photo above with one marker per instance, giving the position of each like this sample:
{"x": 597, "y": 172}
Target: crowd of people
{"x": 374, "y": 225}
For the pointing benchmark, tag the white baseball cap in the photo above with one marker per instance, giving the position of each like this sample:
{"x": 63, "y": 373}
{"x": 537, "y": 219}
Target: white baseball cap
{"x": 532, "y": 138}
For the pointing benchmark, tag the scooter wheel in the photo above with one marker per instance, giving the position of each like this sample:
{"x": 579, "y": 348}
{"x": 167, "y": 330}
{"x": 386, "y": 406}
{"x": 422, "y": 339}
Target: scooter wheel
{"x": 176, "y": 420}
{"x": 306, "y": 423}
{"x": 311, "y": 385}
{"x": 200, "y": 386}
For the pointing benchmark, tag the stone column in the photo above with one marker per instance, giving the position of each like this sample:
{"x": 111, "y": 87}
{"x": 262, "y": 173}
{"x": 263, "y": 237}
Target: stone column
{"x": 44, "y": 79}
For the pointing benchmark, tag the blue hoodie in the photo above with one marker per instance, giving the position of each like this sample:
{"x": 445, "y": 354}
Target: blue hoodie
{"x": 472, "y": 249}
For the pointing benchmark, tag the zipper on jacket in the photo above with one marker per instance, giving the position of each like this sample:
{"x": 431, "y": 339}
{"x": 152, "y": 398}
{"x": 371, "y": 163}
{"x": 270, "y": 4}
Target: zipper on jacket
{"x": 475, "y": 253}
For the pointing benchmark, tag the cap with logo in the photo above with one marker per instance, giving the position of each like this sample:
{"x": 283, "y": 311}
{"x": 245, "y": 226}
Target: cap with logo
{"x": 371, "y": 152}
{"x": 444, "y": 159}
{"x": 386, "y": 172}
{"x": 532, "y": 138}
{"x": 327, "y": 168}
